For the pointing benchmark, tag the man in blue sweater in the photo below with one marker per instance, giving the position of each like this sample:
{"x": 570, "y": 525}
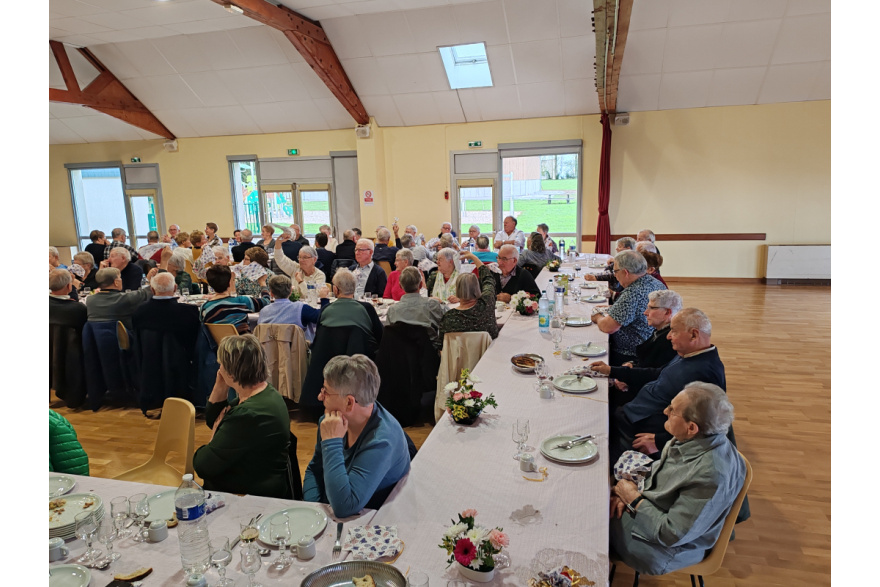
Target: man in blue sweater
{"x": 361, "y": 452}
{"x": 641, "y": 420}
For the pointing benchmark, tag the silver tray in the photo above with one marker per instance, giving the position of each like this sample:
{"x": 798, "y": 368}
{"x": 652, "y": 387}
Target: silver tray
{"x": 340, "y": 574}
{"x": 525, "y": 369}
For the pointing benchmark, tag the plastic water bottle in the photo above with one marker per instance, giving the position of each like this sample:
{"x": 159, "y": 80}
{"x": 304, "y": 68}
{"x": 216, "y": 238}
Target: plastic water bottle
{"x": 472, "y": 246}
{"x": 192, "y": 530}
{"x": 313, "y": 292}
{"x": 144, "y": 282}
{"x": 552, "y": 300}
{"x": 562, "y": 246}
{"x": 559, "y": 297}
{"x": 543, "y": 313}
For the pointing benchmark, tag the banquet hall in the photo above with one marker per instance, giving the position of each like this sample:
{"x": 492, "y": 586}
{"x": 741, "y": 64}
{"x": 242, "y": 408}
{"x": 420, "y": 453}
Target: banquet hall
{"x": 717, "y": 124}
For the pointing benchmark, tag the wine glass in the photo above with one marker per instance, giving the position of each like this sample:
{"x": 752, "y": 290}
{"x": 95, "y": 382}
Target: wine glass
{"x": 250, "y": 564}
{"x": 520, "y": 434}
{"x": 119, "y": 509}
{"x": 248, "y": 533}
{"x": 85, "y": 530}
{"x": 367, "y": 296}
{"x": 106, "y": 535}
{"x": 375, "y": 300}
{"x": 139, "y": 506}
{"x": 279, "y": 532}
{"x": 221, "y": 556}
{"x": 556, "y": 326}
{"x": 541, "y": 371}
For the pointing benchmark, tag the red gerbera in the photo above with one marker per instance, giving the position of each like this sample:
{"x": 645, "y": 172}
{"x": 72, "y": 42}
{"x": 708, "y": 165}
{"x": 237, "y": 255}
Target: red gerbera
{"x": 465, "y": 551}
{"x": 476, "y": 394}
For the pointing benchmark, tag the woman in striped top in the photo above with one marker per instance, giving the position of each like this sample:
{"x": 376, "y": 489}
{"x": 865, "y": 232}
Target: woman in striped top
{"x": 224, "y": 306}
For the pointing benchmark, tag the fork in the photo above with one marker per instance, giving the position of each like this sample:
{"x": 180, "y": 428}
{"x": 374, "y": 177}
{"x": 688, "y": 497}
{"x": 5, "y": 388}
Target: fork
{"x": 337, "y": 548}
{"x": 570, "y": 443}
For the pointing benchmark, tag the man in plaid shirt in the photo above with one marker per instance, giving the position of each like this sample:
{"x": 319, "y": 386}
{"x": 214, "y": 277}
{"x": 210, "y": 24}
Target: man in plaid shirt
{"x": 118, "y": 236}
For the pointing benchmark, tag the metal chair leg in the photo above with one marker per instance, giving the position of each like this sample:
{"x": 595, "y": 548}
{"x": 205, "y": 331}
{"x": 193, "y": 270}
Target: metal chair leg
{"x": 636, "y": 580}
{"x": 700, "y": 579}
{"x": 611, "y": 574}
{"x": 693, "y": 581}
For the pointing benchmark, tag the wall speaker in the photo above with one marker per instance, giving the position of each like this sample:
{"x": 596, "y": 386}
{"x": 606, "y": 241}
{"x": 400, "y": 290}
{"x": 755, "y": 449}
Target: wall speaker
{"x": 171, "y": 146}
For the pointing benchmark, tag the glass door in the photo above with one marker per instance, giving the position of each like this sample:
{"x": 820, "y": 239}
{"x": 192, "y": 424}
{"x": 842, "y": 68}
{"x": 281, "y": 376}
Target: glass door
{"x": 246, "y": 203}
{"x": 98, "y": 201}
{"x": 314, "y": 208}
{"x": 143, "y": 215}
{"x": 278, "y": 205}
{"x": 475, "y": 199}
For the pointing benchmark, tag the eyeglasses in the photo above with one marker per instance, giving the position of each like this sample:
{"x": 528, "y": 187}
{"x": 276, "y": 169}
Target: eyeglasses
{"x": 325, "y": 393}
{"x": 656, "y": 308}
{"x": 670, "y": 411}
{"x": 362, "y": 250}
{"x": 305, "y": 258}
{"x": 506, "y": 258}
{"x": 617, "y": 270}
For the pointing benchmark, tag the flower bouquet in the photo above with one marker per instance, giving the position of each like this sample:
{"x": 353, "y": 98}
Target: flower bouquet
{"x": 474, "y": 547}
{"x": 525, "y": 303}
{"x": 464, "y": 403}
{"x": 554, "y": 265}
{"x": 295, "y": 294}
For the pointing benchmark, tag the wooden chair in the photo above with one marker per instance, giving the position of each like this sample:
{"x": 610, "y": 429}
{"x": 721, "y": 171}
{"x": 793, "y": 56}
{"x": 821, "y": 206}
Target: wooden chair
{"x": 387, "y": 267}
{"x": 221, "y": 331}
{"x": 713, "y": 560}
{"x": 177, "y": 429}
{"x": 122, "y": 337}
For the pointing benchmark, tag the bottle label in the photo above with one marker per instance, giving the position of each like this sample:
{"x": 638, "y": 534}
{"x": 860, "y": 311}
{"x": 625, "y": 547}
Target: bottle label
{"x": 543, "y": 321}
{"x": 193, "y": 513}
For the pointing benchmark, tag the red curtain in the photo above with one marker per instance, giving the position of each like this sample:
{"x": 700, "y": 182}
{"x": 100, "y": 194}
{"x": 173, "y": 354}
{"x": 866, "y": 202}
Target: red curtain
{"x": 603, "y": 227}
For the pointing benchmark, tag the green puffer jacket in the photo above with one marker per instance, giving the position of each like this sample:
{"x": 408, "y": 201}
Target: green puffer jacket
{"x": 66, "y": 454}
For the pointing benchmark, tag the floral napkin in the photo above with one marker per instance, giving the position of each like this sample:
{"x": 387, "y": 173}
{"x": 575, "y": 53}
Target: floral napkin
{"x": 252, "y": 271}
{"x": 372, "y": 542}
{"x": 633, "y": 466}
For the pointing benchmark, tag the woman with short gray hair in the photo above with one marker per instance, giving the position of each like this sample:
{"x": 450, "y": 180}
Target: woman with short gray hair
{"x": 402, "y": 260}
{"x": 441, "y": 283}
{"x": 304, "y": 272}
{"x": 476, "y": 308}
{"x": 361, "y": 451}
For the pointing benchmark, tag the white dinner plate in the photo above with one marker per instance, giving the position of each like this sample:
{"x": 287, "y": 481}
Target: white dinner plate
{"x": 589, "y": 285}
{"x": 597, "y": 299}
{"x": 598, "y": 265}
{"x": 60, "y": 484}
{"x": 73, "y": 504}
{"x": 591, "y": 350}
{"x": 580, "y": 453}
{"x": 578, "y": 321}
{"x": 573, "y": 384}
{"x": 69, "y": 576}
{"x": 161, "y": 506}
{"x": 304, "y": 521}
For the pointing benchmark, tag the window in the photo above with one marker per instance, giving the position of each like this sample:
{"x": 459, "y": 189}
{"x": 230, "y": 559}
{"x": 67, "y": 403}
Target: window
{"x": 98, "y": 201}
{"x": 467, "y": 66}
{"x": 245, "y": 199}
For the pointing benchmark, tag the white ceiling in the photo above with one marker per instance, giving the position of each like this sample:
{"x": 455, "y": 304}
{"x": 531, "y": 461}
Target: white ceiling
{"x": 206, "y": 72}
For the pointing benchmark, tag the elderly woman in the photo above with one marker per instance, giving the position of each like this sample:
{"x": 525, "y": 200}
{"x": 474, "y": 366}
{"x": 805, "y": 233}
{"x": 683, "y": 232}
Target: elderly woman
{"x": 225, "y": 306}
{"x": 176, "y": 266}
{"x": 678, "y": 515}
{"x": 655, "y": 261}
{"x": 87, "y": 262}
{"x": 419, "y": 252}
{"x": 198, "y": 240}
{"x": 402, "y": 260}
{"x": 304, "y": 273}
{"x": 211, "y": 232}
{"x": 218, "y": 255}
{"x": 536, "y": 252}
{"x": 250, "y": 434}
{"x": 441, "y": 283}
{"x": 247, "y": 285}
{"x": 361, "y": 452}
{"x": 476, "y": 307}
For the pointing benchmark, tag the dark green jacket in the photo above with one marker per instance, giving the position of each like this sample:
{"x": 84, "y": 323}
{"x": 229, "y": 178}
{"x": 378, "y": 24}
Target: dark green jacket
{"x": 66, "y": 454}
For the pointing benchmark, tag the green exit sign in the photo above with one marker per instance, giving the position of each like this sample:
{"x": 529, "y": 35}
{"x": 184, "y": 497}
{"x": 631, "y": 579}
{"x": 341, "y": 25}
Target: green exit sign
{"x": 293, "y": 151}
{"x": 135, "y": 159}
{"x": 475, "y": 144}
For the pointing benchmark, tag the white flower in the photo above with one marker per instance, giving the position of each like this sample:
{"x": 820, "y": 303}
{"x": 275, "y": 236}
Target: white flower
{"x": 468, "y": 403}
{"x": 455, "y": 530}
{"x": 451, "y": 386}
{"x": 476, "y": 564}
{"x": 477, "y": 535}
{"x": 474, "y": 379}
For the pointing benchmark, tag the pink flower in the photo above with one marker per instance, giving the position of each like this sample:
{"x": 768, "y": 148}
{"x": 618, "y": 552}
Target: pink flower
{"x": 465, "y": 551}
{"x": 476, "y": 394}
{"x": 498, "y": 539}
{"x": 457, "y": 397}
{"x": 469, "y": 513}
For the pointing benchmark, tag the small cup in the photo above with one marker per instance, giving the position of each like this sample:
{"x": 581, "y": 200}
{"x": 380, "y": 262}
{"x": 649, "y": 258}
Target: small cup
{"x": 527, "y": 463}
{"x": 57, "y": 550}
{"x": 158, "y": 531}
{"x": 305, "y": 548}
{"x": 566, "y": 354}
{"x": 545, "y": 391}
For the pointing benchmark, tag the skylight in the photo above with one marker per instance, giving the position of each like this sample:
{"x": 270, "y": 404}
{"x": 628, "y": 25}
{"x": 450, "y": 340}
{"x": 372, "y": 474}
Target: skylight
{"x": 467, "y": 66}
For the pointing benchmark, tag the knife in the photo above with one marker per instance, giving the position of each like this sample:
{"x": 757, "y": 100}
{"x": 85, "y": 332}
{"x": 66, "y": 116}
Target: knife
{"x": 571, "y": 443}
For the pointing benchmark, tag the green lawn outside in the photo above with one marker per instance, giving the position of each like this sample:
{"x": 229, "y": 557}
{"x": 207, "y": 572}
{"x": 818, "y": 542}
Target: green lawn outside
{"x": 560, "y": 217}
{"x": 559, "y": 184}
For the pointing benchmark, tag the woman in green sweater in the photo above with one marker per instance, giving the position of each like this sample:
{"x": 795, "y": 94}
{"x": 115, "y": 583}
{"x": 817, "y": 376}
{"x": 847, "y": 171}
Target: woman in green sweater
{"x": 251, "y": 434}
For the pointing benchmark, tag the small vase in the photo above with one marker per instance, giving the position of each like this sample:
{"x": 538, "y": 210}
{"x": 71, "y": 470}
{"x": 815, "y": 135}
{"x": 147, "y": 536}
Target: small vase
{"x": 468, "y": 421}
{"x": 475, "y": 576}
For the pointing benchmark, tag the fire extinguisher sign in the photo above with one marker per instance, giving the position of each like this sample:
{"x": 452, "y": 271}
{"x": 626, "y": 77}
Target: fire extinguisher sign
{"x": 368, "y": 197}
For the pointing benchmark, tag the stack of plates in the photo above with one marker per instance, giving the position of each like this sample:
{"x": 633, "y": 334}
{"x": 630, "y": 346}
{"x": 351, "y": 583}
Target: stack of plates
{"x": 575, "y": 384}
{"x": 62, "y": 522}
{"x": 579, "y": 453}
{"x": 304, "y": 521}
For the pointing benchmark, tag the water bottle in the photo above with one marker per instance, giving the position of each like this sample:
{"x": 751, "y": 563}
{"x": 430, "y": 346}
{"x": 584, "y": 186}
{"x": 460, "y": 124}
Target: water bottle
{"x": 543, "y": 313}
{"x": 552, "y": 301}
{"x": 144, "y": 282}
{"x": 192, "y": 530}
{"x": 313, "y": 292}
{"x": 559, "y": 297}
{"x": 472, "y": 246}
{"x": 562, "y": 246}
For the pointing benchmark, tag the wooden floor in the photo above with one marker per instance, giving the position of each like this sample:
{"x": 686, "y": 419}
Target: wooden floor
{"x": 774, "y": 342}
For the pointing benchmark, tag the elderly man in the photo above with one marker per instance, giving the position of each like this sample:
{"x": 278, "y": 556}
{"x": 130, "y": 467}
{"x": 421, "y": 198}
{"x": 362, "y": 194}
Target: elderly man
{"x": 411, "y": 230}
{"x": 132, "y": 275}
{"x": 63, "y": 310}
{"x": 284, "y": 311}
{"x": 418, "y": 251}
{"x": 626, "y": 321}
{"x": 171, "y": 237}
{"x": 435, "y": 244}
{"x": 639, "y": 423}
{"x": 110, "y": 303}
{"x": 118, "y": 236}
{"x": 510, "y": 235}
{"x": 370, "y": 277}
{"x": 331, "y": 240}
{"x": 305, "y": 272}
{"x": 55, "y": 259}
{"x": 361, "y": 451}
{"x": 382, "y": 251}
{"x": 346, "y": 311}
{"x": 678, "y": 515}
{"x": 87, "y": 262}
{"x": 162, "y": 312}
{"x": 153, "y": 245}
{"x": 345, "y": 249}
{"x": 549, "y": 244}
{"x": 513, "y": 279}
{"x": 483, "y": 253}
{"x": 647, "y": 235}
{"x": 623, "y": 244}
{"x": 414, "y": 309}
{"x": 238, "y": 250}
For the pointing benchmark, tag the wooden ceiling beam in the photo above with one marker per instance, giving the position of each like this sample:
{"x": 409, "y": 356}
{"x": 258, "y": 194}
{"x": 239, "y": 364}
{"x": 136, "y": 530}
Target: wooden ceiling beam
{"x": 312, "y": 43}
{"x": 105, "y": 93}
{"x": 611, "y": 24}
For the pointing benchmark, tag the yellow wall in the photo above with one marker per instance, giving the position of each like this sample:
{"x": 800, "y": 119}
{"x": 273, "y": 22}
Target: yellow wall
{"x": 733, "y": 169}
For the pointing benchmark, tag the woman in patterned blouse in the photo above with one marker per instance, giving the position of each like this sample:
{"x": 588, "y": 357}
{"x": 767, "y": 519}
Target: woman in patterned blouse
{"x": 476, "y": 309}
{"x": 249, "y": 287}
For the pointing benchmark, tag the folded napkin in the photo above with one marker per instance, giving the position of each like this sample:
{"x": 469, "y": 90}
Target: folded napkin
{"x": 583, "y": 370}
{"x": 77, "y": 270}
{"x": 372, "y": 542}
{"x": 633, "y": 466}
{"x": 426, "y": 265}
{"x": 493, "y": 267}
{"x": 252, "y": 271}
{"x": 213, "y": 501}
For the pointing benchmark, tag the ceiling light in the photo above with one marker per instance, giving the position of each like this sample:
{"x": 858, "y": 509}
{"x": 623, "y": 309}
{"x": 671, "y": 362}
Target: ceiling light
{"x": 467, "y": 66}
{"x": 233, "y": 9}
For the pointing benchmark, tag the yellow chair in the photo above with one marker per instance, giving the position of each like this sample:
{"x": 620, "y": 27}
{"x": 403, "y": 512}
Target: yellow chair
{"x": 177, "y": 429}
{"x": 387, "y": 267}
{"x": 713, "y": 560}
{"x": 221, "y": 331}
{"x": 122, "y": 337}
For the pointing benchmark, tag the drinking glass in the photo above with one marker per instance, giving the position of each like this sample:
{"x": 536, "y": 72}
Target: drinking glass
{"x": 417, "y": 579}
{"x": 520, "y": 435}
{"x": 85, "y": 530}
{"x": 367, "y": 296}
{"x": 106, "y": 535}
{"x": 139, "y": 509}
{"x": 221, "y": 556}
{"x": 375, "y": 300}
{"x": 556, "y": 325}
{"x": 541, "y": 371}
{"x": 279, "y": 532}
{"x": 119, "y": 510}
{"x": 250, "y": 564}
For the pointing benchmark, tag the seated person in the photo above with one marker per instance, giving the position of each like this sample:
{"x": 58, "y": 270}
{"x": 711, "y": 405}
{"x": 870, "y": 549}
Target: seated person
{"x": 176, "y": 266}
{"x": 473, "y": 233}
{"x": 549, "y": 243}
{"x": 402, "y": 260}
{"x": 536, "y": 254}
{"x": 346, "y": 311}
{"x": 361, "y": 452}
{"x": 370, "y": 277}
{"x": 513, "y": 279}
{"x": 153, "y": 245}
{"x": 97, "y": 246}
{"x": 87, "y": 262}
{"x": 345, "y": 249}
{"x": 677, "y": 517}
{"x": 236, "y": 238}
{"x": 383, "y": 251}
{"x": 250, "y": 435}
{"x": 244, "y": 244}
{"x": 163, "y": 312}
{"x": 246, "y": 283}
{"x": 625, "y": 243}
{"x": 435, "y": 245}
{"x": 64, "y": 310}
{"x": 483, "y": 253}
{"x": 304, "y": 271}
{"x": 510, "y": 235}
{"x": 325, "y": 255}
{"x": 131, "y": 274}
{"x": 330, "y": 243}
{"x": 225, "y": 306}
{"x": 55, "y": 259}
{"x": 267, "y": 242}
{"x": 476, "y": 306}
{"x": 211, "y": 238}
{"x": 655, "y": 261}
{"x": 184, "y": 245}
{"x": 211, "y": 256}
{"x": 414, "y": 309}
{"x": 441, "y": 283}
{"x": 284, "y": 311}
{"x": 110, "y": 303}
{"x": 647, "y": 235}
{"x": 66, "y": 454}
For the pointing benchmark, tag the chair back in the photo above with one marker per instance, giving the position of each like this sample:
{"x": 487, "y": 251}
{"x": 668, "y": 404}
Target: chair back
{"x": 122, "y": 337}
{"x": 294, "y": 477}
{"x": 407, "y": 364}
{"x": 461, "y": 350}
{"x": 196, "y": 253}
{"x": 337, "y": 263}
{"x": 286, "y": 355}
{"x": 192, "y": 274}
{"x": 713, "y": 560}
{"x": 221, "y": 331}
{"x": 331, "y": 341}
{"x": 386, "y": 266}
{"x": 532, "y": 268}
{"x": 177, "y": 428}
